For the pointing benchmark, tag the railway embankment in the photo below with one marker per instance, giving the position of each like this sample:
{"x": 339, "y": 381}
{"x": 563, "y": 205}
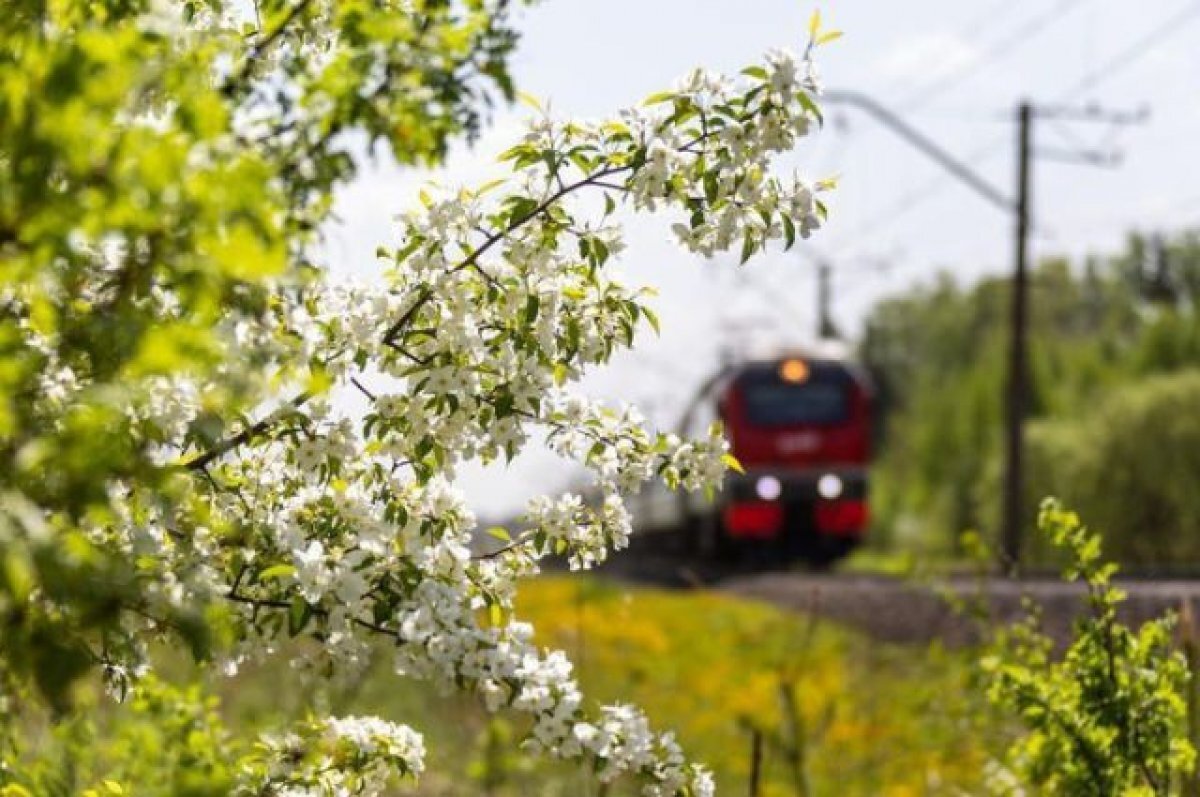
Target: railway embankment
{"x": 955, "y": 610}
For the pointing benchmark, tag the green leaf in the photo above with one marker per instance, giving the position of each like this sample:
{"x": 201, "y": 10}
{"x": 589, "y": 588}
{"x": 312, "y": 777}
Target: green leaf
{"x": 173, "y": 347}
{"x": 732, "y": 463}
{"x": 789, "y": 230}
{"x": 748, "y": 248}
{"x": 277, "y": 571}
{"x": 490, "y": 185}
{"x": 530, "y": 100}
{"x": 243, "y": 253}
{"x": 652, "y": 318}
{"x": 299, "y": 613}
{"x": 500, "y": 533}
{"x": 514, "y": 153}
{"x": 659, "y": 98}
{"x": 810, "y": 105}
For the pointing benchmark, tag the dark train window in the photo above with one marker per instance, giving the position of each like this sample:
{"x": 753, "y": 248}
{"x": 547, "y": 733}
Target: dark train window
{"x": 769, "y": 401}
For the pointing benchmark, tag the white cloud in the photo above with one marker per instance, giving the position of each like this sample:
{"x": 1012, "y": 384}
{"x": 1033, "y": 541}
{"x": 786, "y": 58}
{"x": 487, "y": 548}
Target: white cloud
{"x": 926, "y": 57}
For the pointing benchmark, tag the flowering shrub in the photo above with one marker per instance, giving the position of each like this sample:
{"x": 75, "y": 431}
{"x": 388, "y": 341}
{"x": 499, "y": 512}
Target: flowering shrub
{"x": 178, "y": 459}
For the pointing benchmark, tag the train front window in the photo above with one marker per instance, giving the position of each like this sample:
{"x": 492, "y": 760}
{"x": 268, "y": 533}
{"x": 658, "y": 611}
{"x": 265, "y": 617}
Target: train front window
{"x": 778, "y": 403}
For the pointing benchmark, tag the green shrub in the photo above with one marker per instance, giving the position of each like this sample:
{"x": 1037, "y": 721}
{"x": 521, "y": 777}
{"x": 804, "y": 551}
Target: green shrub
{"x": 1132, "y": 465}
{"x": 1107, "y": 717}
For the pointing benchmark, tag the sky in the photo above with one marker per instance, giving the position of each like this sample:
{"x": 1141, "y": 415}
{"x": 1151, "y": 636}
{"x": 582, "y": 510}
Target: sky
{"x": 953, "y": 69}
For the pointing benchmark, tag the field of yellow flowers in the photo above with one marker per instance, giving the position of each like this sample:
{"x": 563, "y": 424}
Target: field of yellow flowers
{"x": 829, "y": 711}
{"x": 836, "y": 714}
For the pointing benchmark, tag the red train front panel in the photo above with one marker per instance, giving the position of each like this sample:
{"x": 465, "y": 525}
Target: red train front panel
{"x": 801, "y": 429}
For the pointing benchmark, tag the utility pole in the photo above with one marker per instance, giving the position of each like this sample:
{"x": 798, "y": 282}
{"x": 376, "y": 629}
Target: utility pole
{"x": 825, "y": 326}
{"x": 1017, "y": 398}
{"x": 1018, "y": 362}
{"x": 1017, "y": 389}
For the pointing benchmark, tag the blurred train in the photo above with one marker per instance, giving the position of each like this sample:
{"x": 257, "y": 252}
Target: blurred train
{"x": 800, "y": 425}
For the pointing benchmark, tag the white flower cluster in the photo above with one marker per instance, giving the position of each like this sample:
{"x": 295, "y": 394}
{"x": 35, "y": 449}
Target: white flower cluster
{"x": 440, "y": 640}
{"x": 345, "y": 525}
{"x": 338, "y": 756}
{"x": 616, "y": 445}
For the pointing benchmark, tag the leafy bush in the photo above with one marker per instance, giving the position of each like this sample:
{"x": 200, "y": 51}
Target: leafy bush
{"x": 166, "y": 742}
{"x": 1108, "y": 717}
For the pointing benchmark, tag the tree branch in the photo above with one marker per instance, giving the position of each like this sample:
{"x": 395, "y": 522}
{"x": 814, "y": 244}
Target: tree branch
{"x": 472, "y": 259}
{"x": 256, "y": 52}
{"x": 241, "y": 438}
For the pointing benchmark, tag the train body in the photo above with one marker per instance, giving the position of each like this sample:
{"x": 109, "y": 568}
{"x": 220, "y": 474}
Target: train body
{"x": 801, "y": 428}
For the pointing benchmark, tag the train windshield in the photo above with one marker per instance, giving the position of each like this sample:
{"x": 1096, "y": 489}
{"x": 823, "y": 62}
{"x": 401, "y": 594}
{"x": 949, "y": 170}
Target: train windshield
{"x": 819, "y": 400}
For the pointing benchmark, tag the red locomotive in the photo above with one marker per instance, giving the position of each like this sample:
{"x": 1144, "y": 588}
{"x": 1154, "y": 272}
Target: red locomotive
{"x": 801, "y": 428}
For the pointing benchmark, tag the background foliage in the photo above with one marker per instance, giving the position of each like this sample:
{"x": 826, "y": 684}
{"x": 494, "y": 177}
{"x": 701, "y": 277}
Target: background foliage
{"x": 1105, "y": 436}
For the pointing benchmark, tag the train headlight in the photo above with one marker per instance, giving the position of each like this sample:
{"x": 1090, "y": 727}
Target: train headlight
{"x": 768, "y": 488}
{"x": 830, "y": 486}
{"x": 794, "y": 371}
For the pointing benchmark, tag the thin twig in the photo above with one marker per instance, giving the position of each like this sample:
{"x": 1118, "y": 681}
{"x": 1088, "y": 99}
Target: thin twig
{"x": 256, "y": 52}
{"x": 250, "y": 432}
{"x": 361, "y": 388}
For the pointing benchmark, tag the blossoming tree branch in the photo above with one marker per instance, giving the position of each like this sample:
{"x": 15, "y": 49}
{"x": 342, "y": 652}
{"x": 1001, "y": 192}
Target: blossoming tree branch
{"x": 178, "y": 464}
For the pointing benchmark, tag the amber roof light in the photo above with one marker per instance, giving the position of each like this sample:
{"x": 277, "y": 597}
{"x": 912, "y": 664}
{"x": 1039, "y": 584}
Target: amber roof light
{"x": 793, "y": 371}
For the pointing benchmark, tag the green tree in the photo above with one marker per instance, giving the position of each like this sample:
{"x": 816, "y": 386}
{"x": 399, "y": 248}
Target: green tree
{"x": 177, "y": 460}
{"x": 163, "y": 171}
{"x": 1131, "y": 461}
{"x": 940, "y": 355}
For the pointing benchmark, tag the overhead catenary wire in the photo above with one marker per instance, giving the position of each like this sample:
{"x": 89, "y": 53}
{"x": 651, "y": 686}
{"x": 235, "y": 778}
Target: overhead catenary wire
{"x": 992, "y": 54}
{"x": 1113, "y": 65}
{"x": 988, "y": 18}
{"x": 913, "y": 199}
{"x": 1135, "y": 51}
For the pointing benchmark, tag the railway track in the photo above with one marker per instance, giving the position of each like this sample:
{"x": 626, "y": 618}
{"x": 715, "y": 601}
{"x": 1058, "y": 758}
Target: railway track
{"x": 905, "y": 611}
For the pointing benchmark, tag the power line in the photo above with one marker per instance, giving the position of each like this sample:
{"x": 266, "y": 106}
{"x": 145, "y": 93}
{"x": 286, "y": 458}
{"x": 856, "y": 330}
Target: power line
{"x": 997, "y": 51}
{"x": 1134, "y": 52}
{"x": 912, "y": 200}
{"x": 988, "y": 17}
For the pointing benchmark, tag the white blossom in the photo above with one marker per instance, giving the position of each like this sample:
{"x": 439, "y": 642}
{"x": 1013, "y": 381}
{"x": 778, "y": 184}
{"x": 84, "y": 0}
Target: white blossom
{"x": 346, "y": 525}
